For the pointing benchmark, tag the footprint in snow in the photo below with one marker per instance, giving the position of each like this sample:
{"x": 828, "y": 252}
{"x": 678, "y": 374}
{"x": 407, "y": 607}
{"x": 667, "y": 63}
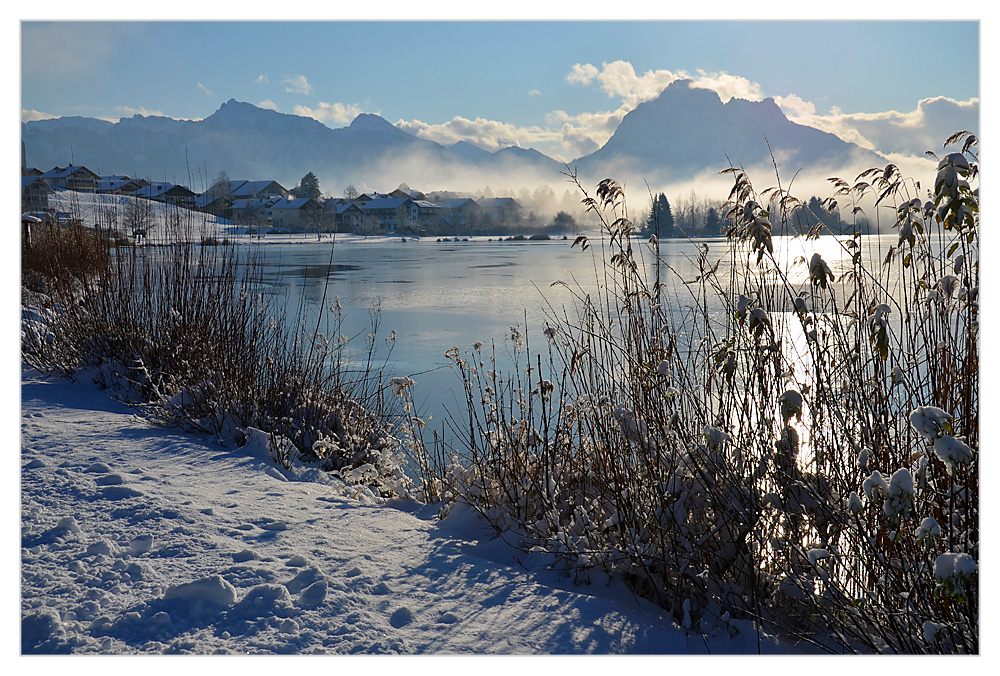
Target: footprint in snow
{"x": 119, "y": 493}
{"x": 268, "y": 524}
{"x": 313, "y": 596}
{"x": 401, "y": 617}
{"x": 102, "y": 547}
{"x": 448, "y": 618}
{"x": 140, "y": 545}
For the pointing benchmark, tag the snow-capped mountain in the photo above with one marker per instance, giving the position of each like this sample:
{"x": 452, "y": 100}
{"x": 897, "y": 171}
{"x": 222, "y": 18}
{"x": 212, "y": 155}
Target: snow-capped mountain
{"x": 684, "y": 132}
{"x": 687, "y": 130}
{"x": 253, "y": 143}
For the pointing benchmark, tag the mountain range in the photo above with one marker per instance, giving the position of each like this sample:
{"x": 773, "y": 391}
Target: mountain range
{"x": 683, "y": 132}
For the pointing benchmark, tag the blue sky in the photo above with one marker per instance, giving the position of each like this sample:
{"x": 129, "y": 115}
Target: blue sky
{"x": 560, "y": 87}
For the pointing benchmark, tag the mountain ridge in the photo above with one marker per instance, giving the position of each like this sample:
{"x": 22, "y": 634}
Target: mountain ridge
{"x": 685, "y": 130}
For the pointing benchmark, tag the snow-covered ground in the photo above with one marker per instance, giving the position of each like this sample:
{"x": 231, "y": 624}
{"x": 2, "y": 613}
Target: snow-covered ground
{"x": 194, "y": 226}
{"x": 142, "y": 539}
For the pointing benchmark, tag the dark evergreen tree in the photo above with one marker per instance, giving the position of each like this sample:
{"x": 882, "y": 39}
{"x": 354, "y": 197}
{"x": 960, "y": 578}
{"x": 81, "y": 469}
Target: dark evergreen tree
{"x": 660, "y": 221}
{"x": 308, "y": 187}
{"x": 564, "y": 222}
{"x": 713, "y": 223}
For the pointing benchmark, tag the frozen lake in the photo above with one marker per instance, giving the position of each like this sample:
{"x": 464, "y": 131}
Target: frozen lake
{"x": 440, "y": 295}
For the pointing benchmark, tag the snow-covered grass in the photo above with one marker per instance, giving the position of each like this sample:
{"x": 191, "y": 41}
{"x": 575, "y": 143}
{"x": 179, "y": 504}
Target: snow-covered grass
{"x": 137, "y": 538}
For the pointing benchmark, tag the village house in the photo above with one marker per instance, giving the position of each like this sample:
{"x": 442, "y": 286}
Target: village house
{"x": 169, "y": 193}
{"x": 35, "y": 193}
{"x": 501, "y": 210}
{"x": 251, "y": 189}
{"x": 80, "y": 179}
{"x": 217, "y": 205}
{"x": 388, "y": 212}
{"x": 299, "y": 213}
{"x": 460, "y": 214}
{"x": 119, "y": 185}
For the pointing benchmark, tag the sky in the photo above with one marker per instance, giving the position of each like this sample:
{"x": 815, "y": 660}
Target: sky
{"x": 557, "y": 86}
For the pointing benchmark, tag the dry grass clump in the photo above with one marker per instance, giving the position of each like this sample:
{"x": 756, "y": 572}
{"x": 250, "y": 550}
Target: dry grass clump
{"x": 795, "y": 441}
{"x": 191, "y": 335}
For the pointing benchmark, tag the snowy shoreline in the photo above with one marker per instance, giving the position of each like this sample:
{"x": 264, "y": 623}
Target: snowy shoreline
{"x": 138, "y": 539}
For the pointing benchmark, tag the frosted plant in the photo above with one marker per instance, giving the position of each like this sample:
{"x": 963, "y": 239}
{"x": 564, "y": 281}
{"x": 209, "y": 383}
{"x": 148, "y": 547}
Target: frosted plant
{"x": 900, "y": 496}
{"x": 930, "y": 422}
{"x": 400, "y": 384}
{"x": 790, "y": 404}
{"x": 952, "y": 451}
{"x": 759, "y": 321}
{"x": 741, "y": 308}
{"x": 946, "y": 286}
{"x": 952, "y": 571}
{"x": 927, "y": 532}
{"x": 863, "y": 458}
{"x": 875, "y": 486}
{"x": 819, "y": 272}
{"x": 516, "y": 337}
{"x": 931, "y": 630}
{"x": 632, "y": 427}
{"x": 715, "y": 438}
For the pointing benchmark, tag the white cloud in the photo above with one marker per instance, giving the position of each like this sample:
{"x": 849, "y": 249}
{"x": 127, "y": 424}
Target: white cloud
{"x": 268, "y": 104}
{"x": 34, "y": 115}
{"x": 582, "y": 73}
{"x": 534, "y": 92}
{"x": 899, "y": 134}
{"x": 893, "y": 132}
{"x": 208, "y": 92}
{"x": 338, "y": 113}
{"x": 490, "y": 135}
{"x": 794, "y": 106}
{"x": 729, "y": 86}
{"x": 128, "y": 111}
{"x": 262, "y": 79}
{"x": 297, "y": 84}
{"x": 619, "y": 79}
{"x": 584, "y": 133}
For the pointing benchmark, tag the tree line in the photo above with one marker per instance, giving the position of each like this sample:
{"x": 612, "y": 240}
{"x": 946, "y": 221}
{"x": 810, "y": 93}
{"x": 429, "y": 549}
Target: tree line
{"x": 694, "y": 216}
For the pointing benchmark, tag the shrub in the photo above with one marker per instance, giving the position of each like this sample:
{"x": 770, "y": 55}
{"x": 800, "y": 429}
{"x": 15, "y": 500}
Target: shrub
{"x": 713, "y": 453}
{"x": 188, "y": 334}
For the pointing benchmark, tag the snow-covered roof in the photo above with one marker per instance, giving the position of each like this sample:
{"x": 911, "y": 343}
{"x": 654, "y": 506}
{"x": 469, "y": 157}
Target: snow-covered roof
{"x": 154, "y": 190}
{"x": 499, "y": 202}
{"x": 380, "y": 203}
{"x": 295, "y": 203}
{"x": 64, "y": 172}
{"x": 29, "y": 180}
{"x": 457, "y": 203}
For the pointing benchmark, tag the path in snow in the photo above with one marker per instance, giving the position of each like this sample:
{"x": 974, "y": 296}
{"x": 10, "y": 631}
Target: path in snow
{"x": 140, "y": 539}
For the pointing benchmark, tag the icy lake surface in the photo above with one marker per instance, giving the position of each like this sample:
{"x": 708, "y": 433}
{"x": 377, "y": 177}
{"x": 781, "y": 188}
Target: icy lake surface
{"x": 439, "y": 295}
